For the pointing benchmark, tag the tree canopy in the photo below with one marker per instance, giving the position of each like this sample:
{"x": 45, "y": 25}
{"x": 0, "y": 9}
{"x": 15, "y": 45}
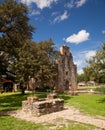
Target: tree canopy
{"x": 21, "y": 55}
{"x": 14, "y": 30}
{"x": 96, "y": 66}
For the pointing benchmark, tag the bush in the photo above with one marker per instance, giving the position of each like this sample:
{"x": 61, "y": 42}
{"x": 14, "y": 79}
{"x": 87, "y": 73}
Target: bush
{"x": 100, "y": 89}
{"x": 43, "y": 89}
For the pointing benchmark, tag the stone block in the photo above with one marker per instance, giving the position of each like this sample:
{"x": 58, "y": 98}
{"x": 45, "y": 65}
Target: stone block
{"x": 42, "y": 107}
{"x": 32, "y": 99}
{"x": 52, "y": 96}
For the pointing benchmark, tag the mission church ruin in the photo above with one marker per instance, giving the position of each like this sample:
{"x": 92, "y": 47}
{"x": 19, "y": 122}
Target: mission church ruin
{"x": 67, "y": 71}
{"x": 67, "y": 81}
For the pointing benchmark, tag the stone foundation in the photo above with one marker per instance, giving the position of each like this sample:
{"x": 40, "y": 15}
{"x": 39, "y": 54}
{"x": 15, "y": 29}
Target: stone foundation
{"x": 38, "y": 107}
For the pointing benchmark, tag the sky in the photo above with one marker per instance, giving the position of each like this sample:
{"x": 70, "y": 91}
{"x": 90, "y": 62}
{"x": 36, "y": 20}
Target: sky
{"x": 80, "y": 24}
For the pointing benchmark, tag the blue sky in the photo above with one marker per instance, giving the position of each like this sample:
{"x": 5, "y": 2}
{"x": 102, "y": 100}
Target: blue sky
{"x": 80, "y": 24}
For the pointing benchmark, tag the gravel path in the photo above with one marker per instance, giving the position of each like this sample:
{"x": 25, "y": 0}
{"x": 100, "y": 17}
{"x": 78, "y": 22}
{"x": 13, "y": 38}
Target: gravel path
{"x": 69, "y": 113}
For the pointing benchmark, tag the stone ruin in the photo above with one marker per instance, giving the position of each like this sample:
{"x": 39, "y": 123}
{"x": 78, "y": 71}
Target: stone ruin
{"x": 67, "y": 71}
{"x": 67, "y": 81}
{"x": 37, "y": 107}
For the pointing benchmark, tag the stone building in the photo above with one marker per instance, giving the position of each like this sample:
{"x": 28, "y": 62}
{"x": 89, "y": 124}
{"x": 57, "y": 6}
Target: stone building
{"x": 67, "y": 71}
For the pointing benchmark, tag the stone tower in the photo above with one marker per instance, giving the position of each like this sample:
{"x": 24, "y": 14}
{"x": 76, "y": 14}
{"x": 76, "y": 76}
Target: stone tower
{"x": 67, "y": 71}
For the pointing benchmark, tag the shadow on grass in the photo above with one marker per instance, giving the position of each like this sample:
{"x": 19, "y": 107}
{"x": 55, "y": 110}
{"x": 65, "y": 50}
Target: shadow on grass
{"x": 11, "y": 102}
{"x": 101, "y": 100}
{"x": 65, "y": 97}
{"x": 14, "y": 101}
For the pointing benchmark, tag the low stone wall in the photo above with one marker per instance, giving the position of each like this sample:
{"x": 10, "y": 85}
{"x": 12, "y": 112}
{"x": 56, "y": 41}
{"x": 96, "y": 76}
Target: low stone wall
{"x": 38, "y": 107}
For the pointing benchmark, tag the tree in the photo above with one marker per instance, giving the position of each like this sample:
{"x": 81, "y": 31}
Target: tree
{"x": 25, "y": 65}
{"x": 22, "y": 56}
{"x": 80, "y": 78}
{"x": 46, "y": 60}
{"x": 96, "y": 66}
{"x": 15, "y": 31}
{"x": 38, "y": 61}
{"x": 3, "y": 62}
{"x": 14, "y": 28}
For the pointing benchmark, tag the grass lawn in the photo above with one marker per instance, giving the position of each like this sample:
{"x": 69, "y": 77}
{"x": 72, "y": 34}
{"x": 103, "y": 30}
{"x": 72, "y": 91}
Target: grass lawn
{"x": 13, "y": 101}
{"x": 88, "y": 103}
{"x": 11, "y": 123}
{"x": 92, "y": 104}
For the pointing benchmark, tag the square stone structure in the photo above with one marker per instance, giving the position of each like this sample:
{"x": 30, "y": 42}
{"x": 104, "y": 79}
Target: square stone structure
{"x": 38, "y": 107}
{"x": 67, "y": 71}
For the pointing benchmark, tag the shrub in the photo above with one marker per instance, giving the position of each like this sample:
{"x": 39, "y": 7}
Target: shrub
{"x": 100, "y": 89}
{"x": 43, "y": 89}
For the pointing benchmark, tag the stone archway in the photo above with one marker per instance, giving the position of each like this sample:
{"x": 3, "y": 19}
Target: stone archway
{"x": 8, "y": 86}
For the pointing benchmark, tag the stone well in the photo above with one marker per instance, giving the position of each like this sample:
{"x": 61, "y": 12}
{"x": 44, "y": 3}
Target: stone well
{"x": 38, "y": 107}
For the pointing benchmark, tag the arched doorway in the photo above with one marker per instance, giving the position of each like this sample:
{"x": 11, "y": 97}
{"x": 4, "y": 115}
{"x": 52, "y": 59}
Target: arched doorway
{"x": 8, "y": 86}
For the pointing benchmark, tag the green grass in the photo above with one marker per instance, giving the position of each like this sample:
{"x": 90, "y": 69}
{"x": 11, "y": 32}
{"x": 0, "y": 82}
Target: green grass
{"x": 92, "y": 104}
{"x": 11, "y": 123}
{"x": 13, "y": 101}
{"x": 88, "y": 103}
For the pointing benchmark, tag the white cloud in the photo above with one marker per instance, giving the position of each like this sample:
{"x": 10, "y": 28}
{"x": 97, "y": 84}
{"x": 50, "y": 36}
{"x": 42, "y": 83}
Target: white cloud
{"x": 64, "y": 16}
{"x": 78, "y": 63}
{"x": 71, "y": 4}
{"x": 81, "y": 57}
{"x": 54, "y": 14}
{"x": 103, "y": 31}
{"x": 79, "y": 60}
{"x": 61, "y": 17}
{"x": 27, "y": 2}
{"x": 80, "y": 71}
{"x": 79, "y": 3}
{"x": 35, "y": 12}
{"x": 81, "y": 36}
{"x": 40, "y": 3}
{"x": 90, "y": 54}
{"x": 76, "y": 3}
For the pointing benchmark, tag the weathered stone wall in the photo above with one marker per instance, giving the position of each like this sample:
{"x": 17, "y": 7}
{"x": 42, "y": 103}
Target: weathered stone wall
{"x": 38, "y": 107}
{"x": 67, "y": 71}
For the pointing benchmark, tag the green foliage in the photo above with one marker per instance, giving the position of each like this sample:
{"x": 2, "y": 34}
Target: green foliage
{"x": 46, "y": 60}
{"x": 80, "y": 78}
{"x": 25, "y": 64}
{"x": 96, "y": 66}
{"x": 100, "y": 89}
{"x": 38, "y": 61}
{"x": 43, "y": 89}
{"x": 3, "y": 62}
{"x": 13, "y": 31}
{"x": 18, "y": 53}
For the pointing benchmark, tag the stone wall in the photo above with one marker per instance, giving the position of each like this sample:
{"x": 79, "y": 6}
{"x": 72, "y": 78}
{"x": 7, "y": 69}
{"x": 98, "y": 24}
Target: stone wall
{"x": 67, "y": 71}
{"x": 38, "y": 107}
